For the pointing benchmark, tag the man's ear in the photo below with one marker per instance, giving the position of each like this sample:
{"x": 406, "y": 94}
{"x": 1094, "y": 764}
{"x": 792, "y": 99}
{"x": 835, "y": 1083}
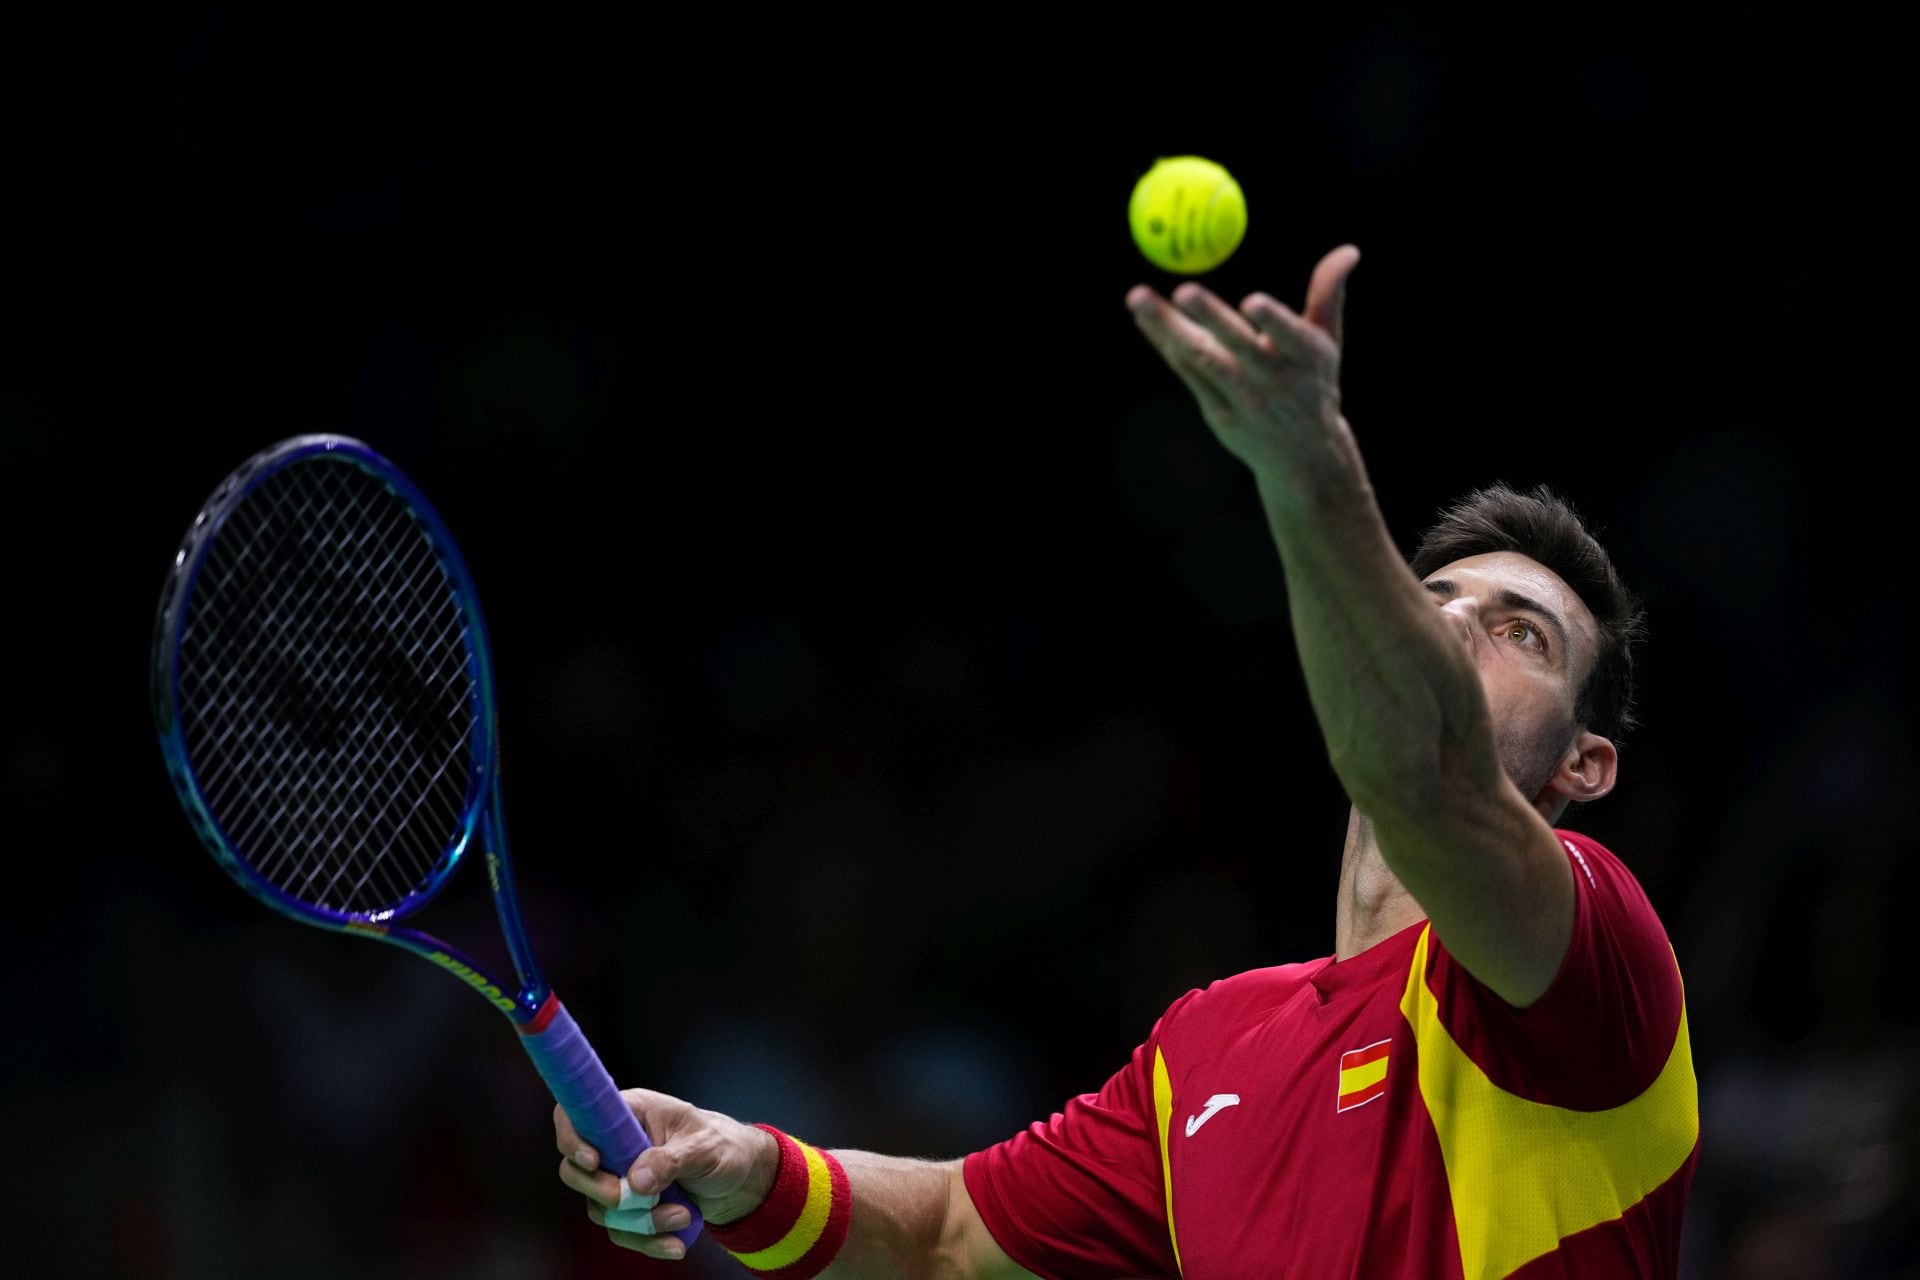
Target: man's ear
{"x": 1587, "y": 770}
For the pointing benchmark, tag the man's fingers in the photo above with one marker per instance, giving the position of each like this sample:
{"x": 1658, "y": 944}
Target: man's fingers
{"x": 672, "y": 1217}
{"x": 1178, "y": 336}
{"x": 654, "y": 1169}
{"x": 656, "y": 1112}
{"x": 571, "y": 1144}
{"x": 1327, "y": 291}
{"x": 1194, "y": 354}
{"x": 666, "y": 1248}
{"x": 1274, "y": 318}
{"x": 1293, "y": 337}
{"x": 601, "y": 1188}
{"x": 1231, "y": 329}
{"x": 661, "y": 1245}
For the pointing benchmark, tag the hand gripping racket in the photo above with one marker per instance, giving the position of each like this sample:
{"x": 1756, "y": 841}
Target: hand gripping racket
{"x": 323, "y": 693}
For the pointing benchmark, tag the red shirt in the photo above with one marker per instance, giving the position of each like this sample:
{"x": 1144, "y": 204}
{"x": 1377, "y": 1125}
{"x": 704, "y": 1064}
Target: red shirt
{"x": 1387, "y": 1116}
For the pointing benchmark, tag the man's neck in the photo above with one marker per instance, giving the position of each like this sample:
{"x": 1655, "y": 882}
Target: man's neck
{"x": 1372, "y": 904}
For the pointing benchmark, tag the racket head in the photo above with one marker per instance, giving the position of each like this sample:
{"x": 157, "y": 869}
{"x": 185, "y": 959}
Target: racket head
{"x": 322, "y": 686}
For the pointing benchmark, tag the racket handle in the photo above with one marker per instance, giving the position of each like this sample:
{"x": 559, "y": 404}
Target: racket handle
{"x": 587, "y": 1094}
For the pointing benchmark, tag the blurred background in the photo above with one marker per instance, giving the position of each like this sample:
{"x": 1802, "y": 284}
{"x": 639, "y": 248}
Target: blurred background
{"x": 898, "y": 704}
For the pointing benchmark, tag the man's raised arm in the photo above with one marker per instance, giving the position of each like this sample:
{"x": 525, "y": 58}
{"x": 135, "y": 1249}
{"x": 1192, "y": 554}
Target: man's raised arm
{"x": 1395, "y": 689}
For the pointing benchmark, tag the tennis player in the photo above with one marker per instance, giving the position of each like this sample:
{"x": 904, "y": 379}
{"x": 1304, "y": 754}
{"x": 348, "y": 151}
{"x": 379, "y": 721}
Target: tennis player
{"x": 1489, "y": 1077}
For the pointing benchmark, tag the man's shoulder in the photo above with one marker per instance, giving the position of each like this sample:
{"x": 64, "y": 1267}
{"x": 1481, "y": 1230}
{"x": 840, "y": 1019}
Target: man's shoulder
{"x": 1586, "y": 852}
{"x": 1611, "y": 1021}
{"x": 1233, "y": 1000}
{"x": 1611, "y": 881}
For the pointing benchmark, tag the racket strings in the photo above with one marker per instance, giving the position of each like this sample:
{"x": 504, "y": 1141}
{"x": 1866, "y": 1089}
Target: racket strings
{"x": 326, "y": 691}
{"x": 357, "y": 544}
{"x": 292, "y": 596}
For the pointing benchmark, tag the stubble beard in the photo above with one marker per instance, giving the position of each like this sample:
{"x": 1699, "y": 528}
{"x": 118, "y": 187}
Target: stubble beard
{"x": 1530, "y": 756}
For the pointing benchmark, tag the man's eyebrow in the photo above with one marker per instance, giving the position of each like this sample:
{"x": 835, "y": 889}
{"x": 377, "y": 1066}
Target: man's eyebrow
{"x": 1527, "y": 604}
{"x": 1507, "y": 598}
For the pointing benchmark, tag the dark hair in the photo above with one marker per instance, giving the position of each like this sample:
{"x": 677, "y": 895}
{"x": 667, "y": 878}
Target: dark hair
{"x": 1544, "y": 527}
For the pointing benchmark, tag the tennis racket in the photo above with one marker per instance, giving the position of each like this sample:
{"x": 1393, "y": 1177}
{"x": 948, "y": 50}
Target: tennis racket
{"x": 323, "y": 692}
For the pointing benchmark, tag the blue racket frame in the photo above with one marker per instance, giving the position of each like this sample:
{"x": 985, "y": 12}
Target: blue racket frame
{"x": 483, "y": 820}
{"x": 549, "y": 1034}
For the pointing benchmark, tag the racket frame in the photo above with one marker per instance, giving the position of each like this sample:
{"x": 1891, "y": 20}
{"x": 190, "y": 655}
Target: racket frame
{"x": 548, "y": 1033}
{"x": 482, "y": 816}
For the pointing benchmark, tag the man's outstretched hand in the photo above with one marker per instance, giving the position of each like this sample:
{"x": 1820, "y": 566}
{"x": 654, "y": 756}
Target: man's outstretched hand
{"x": 724, "y": 1166}
{"x": 1267, "y": 379}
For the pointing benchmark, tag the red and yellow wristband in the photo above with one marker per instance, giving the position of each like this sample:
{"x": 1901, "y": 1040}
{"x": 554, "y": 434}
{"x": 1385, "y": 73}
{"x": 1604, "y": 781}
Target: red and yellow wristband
{"x": 801, "y": 1224}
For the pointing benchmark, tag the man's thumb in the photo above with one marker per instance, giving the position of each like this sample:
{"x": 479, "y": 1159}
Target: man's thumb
{"x": 1327, "y": 292}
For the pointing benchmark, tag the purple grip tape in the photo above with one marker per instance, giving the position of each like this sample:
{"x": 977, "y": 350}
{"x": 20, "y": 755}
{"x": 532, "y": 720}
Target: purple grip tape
{"x": 585, "y": 1091}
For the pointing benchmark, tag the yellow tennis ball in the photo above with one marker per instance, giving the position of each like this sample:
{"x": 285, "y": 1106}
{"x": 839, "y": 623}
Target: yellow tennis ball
{"x": 1187, "y": 214}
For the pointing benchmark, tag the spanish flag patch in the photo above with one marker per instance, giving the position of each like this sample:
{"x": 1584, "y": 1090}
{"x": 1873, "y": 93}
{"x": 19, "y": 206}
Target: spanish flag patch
{"x": 1363, "y": 1075}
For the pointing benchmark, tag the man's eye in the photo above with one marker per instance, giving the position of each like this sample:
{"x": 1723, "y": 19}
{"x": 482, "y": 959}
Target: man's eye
{"x": 1521, "y": 632}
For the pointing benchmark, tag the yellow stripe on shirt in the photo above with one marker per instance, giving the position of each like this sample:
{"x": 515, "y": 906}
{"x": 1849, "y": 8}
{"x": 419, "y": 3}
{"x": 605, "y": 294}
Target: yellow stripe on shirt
{"x": 1525, "y": 1175}
{"x": 1163, "y": 1118}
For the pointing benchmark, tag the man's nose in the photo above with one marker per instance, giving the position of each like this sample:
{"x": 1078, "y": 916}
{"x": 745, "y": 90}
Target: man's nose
{"x": 1460, "y": 612}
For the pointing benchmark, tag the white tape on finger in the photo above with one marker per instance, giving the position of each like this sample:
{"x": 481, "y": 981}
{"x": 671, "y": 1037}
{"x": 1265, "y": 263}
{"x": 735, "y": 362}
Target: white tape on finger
{"x": 633, "y": 1213}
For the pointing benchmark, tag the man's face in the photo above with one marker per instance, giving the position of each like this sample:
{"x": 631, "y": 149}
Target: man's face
{"x": 1533, "y": 643}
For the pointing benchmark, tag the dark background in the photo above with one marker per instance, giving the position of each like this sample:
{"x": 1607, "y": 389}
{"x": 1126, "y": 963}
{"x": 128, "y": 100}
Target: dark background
{"x": 898, "y": 705}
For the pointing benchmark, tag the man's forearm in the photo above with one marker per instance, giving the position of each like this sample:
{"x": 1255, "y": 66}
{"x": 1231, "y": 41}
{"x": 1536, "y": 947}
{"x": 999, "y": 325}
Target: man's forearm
{"x": 912, "y": 1220}
{"x": 1398, "y": 693}
{"x": 899, "y": 1210}
{"x": 1398, "y": 703}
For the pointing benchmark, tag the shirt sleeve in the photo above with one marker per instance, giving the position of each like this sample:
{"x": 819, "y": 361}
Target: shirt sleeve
{"x": 1081, "y": 1196}
{"x": 1605, "y": 1027}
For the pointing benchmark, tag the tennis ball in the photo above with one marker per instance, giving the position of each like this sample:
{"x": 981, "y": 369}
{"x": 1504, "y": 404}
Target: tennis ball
{"x": 1187, "y": 214}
